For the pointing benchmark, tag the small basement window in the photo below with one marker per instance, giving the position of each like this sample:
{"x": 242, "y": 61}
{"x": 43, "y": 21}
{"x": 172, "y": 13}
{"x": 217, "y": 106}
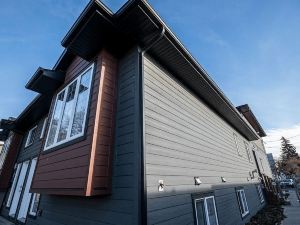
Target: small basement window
{"x": 205, "y": 211}
{"x": 242, "y": 202}
{"x": 70, "y": 110}
{"x": 260, "y": 194}
{"x": 30, "y": 136}
{"x": 34, "y": 204}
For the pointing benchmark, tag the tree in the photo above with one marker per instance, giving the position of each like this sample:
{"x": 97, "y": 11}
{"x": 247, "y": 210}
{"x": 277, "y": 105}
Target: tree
{"x": 287, "y": 158}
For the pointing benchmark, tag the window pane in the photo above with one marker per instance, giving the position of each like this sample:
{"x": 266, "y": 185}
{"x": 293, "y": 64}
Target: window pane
{"x": 82, "y": 102}
{"x": 212, "y": 215}
{"x": 55, "y": 119}
{"x": 67, "y": 114}
{"x": 200, "y": 210}
{"x": 244, "y": 201}
{"x": 241, "y": 202}
{"x": 4, "y": 150}
{"x": 35, "y": 204}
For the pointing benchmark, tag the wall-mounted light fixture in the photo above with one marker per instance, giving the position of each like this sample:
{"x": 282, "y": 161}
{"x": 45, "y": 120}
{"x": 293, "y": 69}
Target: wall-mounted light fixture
{"x": 223, "y": 179}
{"x": 197, "y": 181}
{"x": 161, "y": 185}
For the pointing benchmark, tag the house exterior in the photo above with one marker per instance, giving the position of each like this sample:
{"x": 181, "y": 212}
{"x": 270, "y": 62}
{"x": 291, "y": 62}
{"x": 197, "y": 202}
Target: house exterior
{"x": 129, "y": 129}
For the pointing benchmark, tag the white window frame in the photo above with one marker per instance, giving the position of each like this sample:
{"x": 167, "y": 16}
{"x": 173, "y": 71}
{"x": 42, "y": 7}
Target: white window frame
{"x": 69, "y": 138}
{"x": 31, "y": 212}
{"x": 236, "y": 143}
{"x": 205, "y": 208}
{"x": 260, "y": 194}
{"x": 247, "y": 147}
{"x": 30, "y": 132}
{"x": 243, "y": 205}
{"x": 44, "y": 128}
{"x": 13, "y": 186}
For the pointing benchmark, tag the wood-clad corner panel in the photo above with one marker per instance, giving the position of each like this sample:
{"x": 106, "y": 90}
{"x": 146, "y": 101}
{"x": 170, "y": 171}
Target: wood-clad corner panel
{"x": 100, "y": 172}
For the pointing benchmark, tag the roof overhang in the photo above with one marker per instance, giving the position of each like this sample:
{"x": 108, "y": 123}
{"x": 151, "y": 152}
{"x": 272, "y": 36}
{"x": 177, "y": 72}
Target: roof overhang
{"x": 136, "y": 23}
{"x": 251, "y": 118}
{"x": 36, "y": 110}
{"x": 5, "y": 127}
{"x": 45, "y": 81}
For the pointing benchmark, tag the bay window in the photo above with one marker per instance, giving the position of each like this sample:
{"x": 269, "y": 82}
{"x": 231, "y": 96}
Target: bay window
{"x": 70, "y": 111}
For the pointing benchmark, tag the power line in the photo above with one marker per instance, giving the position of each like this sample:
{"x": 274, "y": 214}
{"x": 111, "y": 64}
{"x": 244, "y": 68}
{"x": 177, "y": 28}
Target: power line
{"x": 298, "y": 135}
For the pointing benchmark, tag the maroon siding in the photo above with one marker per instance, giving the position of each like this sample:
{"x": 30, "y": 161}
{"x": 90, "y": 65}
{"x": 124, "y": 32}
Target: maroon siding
{"x": 8, "y": 167}
{"x": 70, "y": 170}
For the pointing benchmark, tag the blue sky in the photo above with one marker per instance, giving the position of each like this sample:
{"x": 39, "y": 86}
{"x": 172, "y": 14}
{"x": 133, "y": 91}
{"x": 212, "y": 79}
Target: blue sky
{"x": 250, "y": 48}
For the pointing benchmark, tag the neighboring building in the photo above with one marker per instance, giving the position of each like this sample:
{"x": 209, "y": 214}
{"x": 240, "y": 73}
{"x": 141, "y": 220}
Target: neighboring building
{"x": 272, "y": 164}
{"x": 137, "y": 133}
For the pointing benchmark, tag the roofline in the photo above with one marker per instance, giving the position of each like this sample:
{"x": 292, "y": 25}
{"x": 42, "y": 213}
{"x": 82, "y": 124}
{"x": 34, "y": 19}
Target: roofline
{"x": 200, "y": 69}
{"x": 247, "y": 108}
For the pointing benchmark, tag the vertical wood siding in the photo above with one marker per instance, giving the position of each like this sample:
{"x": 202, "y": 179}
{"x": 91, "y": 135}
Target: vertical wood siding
{"x": 184, "y": 138}
{"x": 121, "y": 207}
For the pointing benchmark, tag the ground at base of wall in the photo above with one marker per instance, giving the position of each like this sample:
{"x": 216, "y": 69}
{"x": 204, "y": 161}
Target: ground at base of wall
{"x": 269, "y": 215}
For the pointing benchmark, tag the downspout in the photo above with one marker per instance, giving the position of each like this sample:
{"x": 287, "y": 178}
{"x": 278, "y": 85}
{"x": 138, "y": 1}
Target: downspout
{"x": 143, "y": 183}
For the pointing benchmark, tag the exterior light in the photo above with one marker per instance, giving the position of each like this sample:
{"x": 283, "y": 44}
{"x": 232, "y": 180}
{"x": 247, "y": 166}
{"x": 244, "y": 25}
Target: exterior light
{"x": 197, "y": 181}
{"x": 161, "y": 185}
{"x": 223, "y": 179}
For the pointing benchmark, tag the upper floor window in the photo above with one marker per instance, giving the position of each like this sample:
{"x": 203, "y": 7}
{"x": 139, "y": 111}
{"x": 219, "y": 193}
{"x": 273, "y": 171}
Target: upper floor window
{"x": 70, "y": 109}
{"x": 248, "y": 151}
{"x": 30, "y": 136}
{"x": 243, "y": 202}
{"x": 4, "y": 150}
{"x": 236, "y": 143}
{"x": 43, "y": 128}
{"x": 205, "y": 211}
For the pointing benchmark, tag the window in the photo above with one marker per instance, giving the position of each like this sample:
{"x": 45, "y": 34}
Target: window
{"x": 4, "y": 150}
{"x": 248, "y": 151}
{"x": 34, "y": 204}
{"x": 242, "y": 202}
{"x": 262, "y": 165}
{"x": 260, "y": 194}
{"x": 236, "y": 143}
{"x": 69, "y": 113}
{"x": 30, "y": 137}
{"x": 205, "y": 211}
{"x": 43, "y": 128}
{"x": 13, "y": 186}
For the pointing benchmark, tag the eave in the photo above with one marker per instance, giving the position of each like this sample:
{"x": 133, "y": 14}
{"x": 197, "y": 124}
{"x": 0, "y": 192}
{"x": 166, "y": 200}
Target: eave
{"x": 45, "y": 81}
{"x": 137, "y": 24}
{"x": 37, "y": 109}
{"x": 251, "y": 118}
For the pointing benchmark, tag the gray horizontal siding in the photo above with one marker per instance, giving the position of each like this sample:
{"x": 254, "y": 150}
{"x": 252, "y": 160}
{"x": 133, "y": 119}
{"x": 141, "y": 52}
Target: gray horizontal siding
{"x": 184, "y": 138}
{"x": 121, "y": 207}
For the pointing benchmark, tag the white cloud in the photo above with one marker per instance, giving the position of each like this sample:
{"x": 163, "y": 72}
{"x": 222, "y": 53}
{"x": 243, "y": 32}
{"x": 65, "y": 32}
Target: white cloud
{"x": 273, "y": 143}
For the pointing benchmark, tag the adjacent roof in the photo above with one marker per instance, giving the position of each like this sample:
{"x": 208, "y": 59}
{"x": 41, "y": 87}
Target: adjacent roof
{"x": 5, "y": 127}
{"x": 136, "y": 23}
{"x": 250, "y": 117}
